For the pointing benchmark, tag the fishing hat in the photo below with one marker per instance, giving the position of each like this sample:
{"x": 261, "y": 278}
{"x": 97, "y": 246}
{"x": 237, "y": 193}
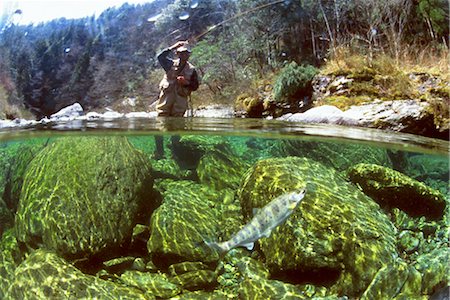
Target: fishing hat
{"x": 183, "y": 49}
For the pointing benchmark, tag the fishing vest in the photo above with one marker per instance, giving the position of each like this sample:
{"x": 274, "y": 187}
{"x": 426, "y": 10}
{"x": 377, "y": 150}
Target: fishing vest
{"x": 169, "y": 82}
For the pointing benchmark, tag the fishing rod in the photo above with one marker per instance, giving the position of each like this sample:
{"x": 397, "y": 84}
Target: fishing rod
{"x": 214, "y": 27}
{"x": 239, "y": 15}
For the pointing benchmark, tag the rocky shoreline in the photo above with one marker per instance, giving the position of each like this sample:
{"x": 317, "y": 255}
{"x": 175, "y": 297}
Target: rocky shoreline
{"x": 407, "y": 116}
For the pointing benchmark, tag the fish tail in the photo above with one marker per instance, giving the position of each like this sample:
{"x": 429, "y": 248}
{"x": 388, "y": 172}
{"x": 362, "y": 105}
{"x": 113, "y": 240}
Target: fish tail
{"x": 219, "y": 247}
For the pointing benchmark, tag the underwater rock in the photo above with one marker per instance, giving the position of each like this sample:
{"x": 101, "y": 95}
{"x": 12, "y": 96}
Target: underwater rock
{"x": 393, "y": 279}
{"x": 409, "y": 241}
{"x": 189, "y": 213}
{"x": 169, "y": 169}
{"x": 340, "y": 156}
{"x": 394, "y": 189}
{"x": 44, "y": 275}
{"x": 269, "y": 289}
{"x": 119, "y": 265}
{"x": 221, "y": 170}
{"x": 185, "y": 267}
{"x": 155, "y": 284}
{"x": 337, "y": 236}
{"x": 190, "y": 148}
{"x": 196, "y": 280}
{"x": 434, "y": 267}
{"x": 83, "y": 195}
{"x": 6, "y": 217}
{"x": 431, "y": 170}
{"x": 15, "y": 171}
{"x": 202, "y": 295}
{"x": 10, "y": 258}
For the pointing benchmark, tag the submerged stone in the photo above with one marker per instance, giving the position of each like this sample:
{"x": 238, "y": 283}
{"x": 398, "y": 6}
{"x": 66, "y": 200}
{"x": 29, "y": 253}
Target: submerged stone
{"x": 10, "y": 257}
{"x": 190, "y": 212}
{"x": 221, "y": 169}
{"x": 394, "y": 189}
{"x": 44, "y": 275}
{"x": 185, "y": 267}
{"x": 337, "y": 236}
{"x": 269, "y": 289}
{"x": 340, "y": 156}
{"x": 435, "y": 269}
{"x": 83, "y": 195}
{"x": 196, "y": 280}
{"x": 384, "y": 287}
{"x": 155, "y": 284}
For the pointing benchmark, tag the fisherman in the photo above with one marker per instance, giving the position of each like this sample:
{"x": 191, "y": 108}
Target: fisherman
{"x": 179, "y": 81}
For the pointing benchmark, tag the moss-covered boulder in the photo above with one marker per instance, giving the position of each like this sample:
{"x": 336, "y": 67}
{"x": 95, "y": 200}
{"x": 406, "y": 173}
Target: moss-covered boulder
{"x": 6, "y": 217}
{"x": 407, "y": 282}
{"x": 14, "y": 159}
{"x": 269, "y": 289}
{"x": 340, "y": 156}
{"x": 189, "y": 213}
{"x": 83, "y": 196}
{"x": 435, "y": 269}
{"x": 44, "y": 275}
{"x": 188, "y": 149}
{"x": 394, "y": 189}
{"x": 196, "y": 280}
{"x": 18, "y": 165}
{"x": 431, "y": 170}
{"x": 155, "y": 284}
{"x": 10, "y": 257}
{"x": 337, "y": 235}
{"x": 220, "y": 170}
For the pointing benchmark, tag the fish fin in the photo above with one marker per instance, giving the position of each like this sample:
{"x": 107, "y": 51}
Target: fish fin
{"x": 249, "y": 246}
{"x": 292, "y": 206}
{"x": 255, "y": 211}
{"x": 266, "y": 233}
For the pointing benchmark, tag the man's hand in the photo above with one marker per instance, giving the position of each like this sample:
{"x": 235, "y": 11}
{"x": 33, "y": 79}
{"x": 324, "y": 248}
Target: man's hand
{"x": 182, "y": 81}
{"x": 178, "y": 44}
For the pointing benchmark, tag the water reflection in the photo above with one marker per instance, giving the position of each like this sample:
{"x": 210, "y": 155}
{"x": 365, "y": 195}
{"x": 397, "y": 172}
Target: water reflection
{"x": 235, "y": 126}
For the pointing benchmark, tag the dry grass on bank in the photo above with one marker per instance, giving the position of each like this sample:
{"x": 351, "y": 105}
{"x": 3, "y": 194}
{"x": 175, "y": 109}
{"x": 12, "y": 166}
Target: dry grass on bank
{"x": 413, "y": 60}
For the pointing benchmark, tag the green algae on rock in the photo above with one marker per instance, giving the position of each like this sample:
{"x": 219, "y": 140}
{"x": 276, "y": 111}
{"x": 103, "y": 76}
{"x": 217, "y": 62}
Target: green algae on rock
{"x": 269, "y": 289}
{"x": 221, "y": 170}
{"x": 196, "y": 280}
{"x": 189, "y": 213}
{"x": 83, "y": 195}
{"x": 340, "y": 156}
{"x": 407, "y": 282}
{"x": 44, "y": 275}
{"x": 394, "y": 189}
{"x": 10, "y": 257}
{"x": 190, "y": 148}
{"x": 155, "y": 284}
{"x": 435, "y": 269}
{"x": 336, "y": 229}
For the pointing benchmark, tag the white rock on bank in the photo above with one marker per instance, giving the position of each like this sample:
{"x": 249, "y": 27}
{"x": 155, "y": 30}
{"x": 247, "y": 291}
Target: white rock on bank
{"x": 68, "y": 112}
{"x": 327, "y": 114}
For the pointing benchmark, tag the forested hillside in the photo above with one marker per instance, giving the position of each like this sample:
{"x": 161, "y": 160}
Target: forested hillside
{"x": 99, "y": 62}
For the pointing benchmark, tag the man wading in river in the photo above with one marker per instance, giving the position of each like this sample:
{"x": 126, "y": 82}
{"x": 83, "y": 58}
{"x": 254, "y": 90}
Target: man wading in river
{"x": 179, "y": 81}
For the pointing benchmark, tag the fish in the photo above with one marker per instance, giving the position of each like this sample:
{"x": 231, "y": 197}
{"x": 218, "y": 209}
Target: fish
{"x": 264, "y": 221}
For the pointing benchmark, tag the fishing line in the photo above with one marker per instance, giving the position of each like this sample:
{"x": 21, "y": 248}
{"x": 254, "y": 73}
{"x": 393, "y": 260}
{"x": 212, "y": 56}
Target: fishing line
{"x": 239, "y": 15}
